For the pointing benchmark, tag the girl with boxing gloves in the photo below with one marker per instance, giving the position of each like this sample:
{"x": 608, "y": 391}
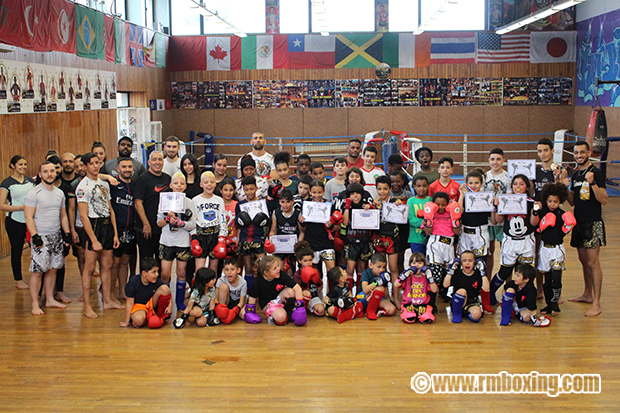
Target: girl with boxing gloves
{"x": 417, "y": 281}
{"x": 307, "y": 277}
{"x": 276, "y": 293}
{"x": 201, "y": 304}
{"x": 339, "y": 300}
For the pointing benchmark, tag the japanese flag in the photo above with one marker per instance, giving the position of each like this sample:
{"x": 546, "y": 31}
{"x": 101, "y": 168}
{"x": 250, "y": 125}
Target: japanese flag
{"x": 553, "y": 47}
{"x": 218, "y": 53}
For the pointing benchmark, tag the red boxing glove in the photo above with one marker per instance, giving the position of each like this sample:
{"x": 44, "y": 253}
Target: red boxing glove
{"x": 429, "y": 213}
{"x": 220, "y": 249}
{"x": 196, "y": 248}
{"x": 455, "y": 213}
{"x": 309, "y": 274}
{"x": 269, "y": 247}
{"x": 347, "y": 203}
{"x": 275, "y": 189}
{"x": 547, "y": 221}
{"x": 569, "y": 222}
{"x": 338, "y": 244}
{"x": 336, "y": 218}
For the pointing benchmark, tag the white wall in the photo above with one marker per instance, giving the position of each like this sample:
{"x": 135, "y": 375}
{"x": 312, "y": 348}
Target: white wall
{"x": 593, "y": 8}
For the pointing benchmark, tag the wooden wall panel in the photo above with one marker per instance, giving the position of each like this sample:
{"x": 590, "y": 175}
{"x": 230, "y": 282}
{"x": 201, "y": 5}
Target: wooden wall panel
{"x": 364, "y": 120}
{"x": 326, "y": 122}
{"x": 281, "y": 122}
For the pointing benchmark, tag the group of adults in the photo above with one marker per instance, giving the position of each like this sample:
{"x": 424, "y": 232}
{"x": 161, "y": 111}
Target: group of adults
{"x": 59, "y": 211}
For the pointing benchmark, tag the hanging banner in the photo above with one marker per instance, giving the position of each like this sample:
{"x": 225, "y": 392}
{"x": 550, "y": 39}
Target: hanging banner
{"x": 35, "y": 88}
{"x": 272, "y": 16}
{"x": 382, "y": 16}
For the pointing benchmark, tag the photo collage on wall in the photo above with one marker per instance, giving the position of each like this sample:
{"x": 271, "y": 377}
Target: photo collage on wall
{"x": 36, "y": 88}
{"x": 347, "y": 93}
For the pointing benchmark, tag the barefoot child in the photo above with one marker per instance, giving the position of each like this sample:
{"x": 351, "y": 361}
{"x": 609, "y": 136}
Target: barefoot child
{"x": 307, "y": 277}
{"x": 374, "y": 284}
{"x": 201, "y": 304}
{"x": 467, "y": 281}
{"x": 149, "y": 301}
{"x": 520, "y": 297}
{"x": 339, "y": 300}
{"x": 417, "y": 281}
{"x": 231, "y": 292}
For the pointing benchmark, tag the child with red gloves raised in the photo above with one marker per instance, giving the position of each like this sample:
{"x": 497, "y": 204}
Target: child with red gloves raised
{"x": 375, "y": 282}
{"x": 285, "y": 221}
{"x": 307, "y": 277}
{"x": 553, "y": 226}
{"x": 276, "y": 293}
{"x": 231, "y": 292}
{"x": 417, "y": 281}
{"x": 339, "y": 300}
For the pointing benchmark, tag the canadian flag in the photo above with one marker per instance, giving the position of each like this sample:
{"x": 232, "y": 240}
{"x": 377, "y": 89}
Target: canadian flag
{"x": 223, "y": 53}
{"x": 553, "y": 47}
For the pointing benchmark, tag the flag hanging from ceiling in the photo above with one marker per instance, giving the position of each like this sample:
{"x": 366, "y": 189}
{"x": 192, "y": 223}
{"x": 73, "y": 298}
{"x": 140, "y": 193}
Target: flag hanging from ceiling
{"x": 62, "y": 26}
{"x": 149, "y": 48}
{"x": 359, "y": 50}
{"x": 264, "y": 52}
{"x": 187, "y": 53}
{"x": 90, "y": 29}
{"x": 223, "y": 53}
{"x": 406, "y": 50}
{"x": 120, "y": 42}
{"x": 135, "y": 36}
{"x": 26, "y": 23}
{"x": 311, "y": 51}
{"x": 453, "y": 47}
{"x": 553, "y": 47}
{"x": 161, "y": 49}
{"x": 507, "y": 48}
{"x": 109, "y": 40}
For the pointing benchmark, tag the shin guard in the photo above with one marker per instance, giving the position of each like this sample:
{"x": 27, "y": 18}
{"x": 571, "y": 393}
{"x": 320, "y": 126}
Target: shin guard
{"x": 507, "y": 308}
{"x": 458, "y": 301}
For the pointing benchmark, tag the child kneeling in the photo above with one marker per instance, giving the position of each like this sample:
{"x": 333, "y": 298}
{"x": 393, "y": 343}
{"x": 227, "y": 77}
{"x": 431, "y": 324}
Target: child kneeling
{"x": 339, "y": 300}
{"x": 307, "y": 277}
{"x": 417, "y": 281}
{"x": 375, "y": 282}
{"x": 520, "y": 297}
{"x": 231, "y": 292}
{"x": 466, "y": 278}
{"x": 148, "y": 298}
{"x": 201, "y": 303}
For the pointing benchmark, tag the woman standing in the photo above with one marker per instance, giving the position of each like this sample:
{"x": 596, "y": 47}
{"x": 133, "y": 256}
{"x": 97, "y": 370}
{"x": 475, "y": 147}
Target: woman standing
{"x": 191, "y": 170}
{"x": 220, "y": 164}
{"x": 13, "y": 190}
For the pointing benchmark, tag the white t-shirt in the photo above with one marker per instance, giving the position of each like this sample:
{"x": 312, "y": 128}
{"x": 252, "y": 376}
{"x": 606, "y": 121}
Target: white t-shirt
{"x": 172, "y": 167}
{"x": 370, "y": 178}
{"x": 235, "y": 292}
{"x": 261, "y": 189}
{"x": 264, "y": 164}
{"x": 96, "y": 194}
{"x": 48, "y": 205}
{"x": 498, "y": 184}
{"x": 211, "y": 213}
{"x": 179, "y": 237}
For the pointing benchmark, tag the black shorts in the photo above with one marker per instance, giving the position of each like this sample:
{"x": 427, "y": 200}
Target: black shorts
{"x": 251, "y": 248}
{"x": 358, "y": 251}
{"x": 588, "y": 235}
{"x": 126, "y": 248}
{"x": 207, "y": 237}
{"x": 232, "y": 304}
{"x": 104, "y": 232}
{"x": 82, "y": 240}
{"x": 171, "y": 253}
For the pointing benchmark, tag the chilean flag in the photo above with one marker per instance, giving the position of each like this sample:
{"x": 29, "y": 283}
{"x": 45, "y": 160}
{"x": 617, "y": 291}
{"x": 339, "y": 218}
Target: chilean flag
{"x": 311, "y": 51}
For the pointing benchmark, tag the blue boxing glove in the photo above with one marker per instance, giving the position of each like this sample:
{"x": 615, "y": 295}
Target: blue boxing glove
{"x": 383, "y": 279}
{"x": 454, "y": 265}
{"x": 428, "y": 274}
{"x": 407, "y": 273}
{"x": 481, "y": 265}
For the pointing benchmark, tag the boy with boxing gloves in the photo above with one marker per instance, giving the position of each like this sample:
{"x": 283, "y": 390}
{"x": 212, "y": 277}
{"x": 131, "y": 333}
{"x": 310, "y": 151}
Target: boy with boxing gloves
{"x": 307, "y": 277}
{"x": 231, "y": 293}
{"x": 520, "y": 298}
{"x": 375, "y": 282}
{"x": 467, "y": 277}
{"x": 339, "y": 300}
{"x": 285, "y": 221}
{"x": 209, "y": 236}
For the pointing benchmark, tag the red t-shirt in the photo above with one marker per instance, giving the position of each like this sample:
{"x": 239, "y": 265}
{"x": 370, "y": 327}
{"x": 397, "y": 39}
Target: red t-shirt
{"x": 359, "y": 163}
{"x": 452, "y": 189}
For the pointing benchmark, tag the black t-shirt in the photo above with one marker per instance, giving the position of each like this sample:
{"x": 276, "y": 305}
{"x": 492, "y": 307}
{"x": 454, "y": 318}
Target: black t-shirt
{"x": 543, "y": 177}
{"x": 284, "y": 225}
{"x": 316, "y": 235}
{"x": 525, "y": 297}
{"x": 553, "y": 235}
{"x": 68, "y": 182}
{"x": 193, "y": 190}
{"x": 470, "y": 283}
{"x": 141, "y": 293}
{"x": 69, "y": 192}
{"x": 340, "y": 201}
{"x": 148, "y": 188}
{"x": 587, "y": 208}
{"x": 356, "y": 236}
{"x": 266, "y": 291}
{"x": 519, "y": 225}
{"x": 474, "y": 219}
{"x": 336, "y": 292}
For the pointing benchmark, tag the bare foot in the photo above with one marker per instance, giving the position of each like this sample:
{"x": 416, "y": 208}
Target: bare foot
{"x": 60, "y": 296}
{"x": 560, "y": 301}
{"x": 81, "y": 299}
{"x": 21, "y": 285}
{"x": 54, "y": 304}
{"x": 581, "y": 299}
{"x": 113, "y": 305}
{"x": 37, "y": 311}
{"x": 540, "y": 296}
{"x": 122, "y": 297}
{"x": 89, "y": 313}
{"x": 593, "y": 311}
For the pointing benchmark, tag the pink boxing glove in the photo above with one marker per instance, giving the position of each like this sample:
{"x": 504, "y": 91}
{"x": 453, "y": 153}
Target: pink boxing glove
{"x": 429, "y": 213}
{"x": 455, "y": 213}
{"x": 569, "y": 222}
{"x": 547, "y": 221}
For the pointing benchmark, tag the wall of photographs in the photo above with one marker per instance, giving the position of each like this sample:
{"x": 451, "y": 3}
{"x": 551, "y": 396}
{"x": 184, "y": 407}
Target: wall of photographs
{"x": 265, "y": 94}
{"x": 34, "y": 88}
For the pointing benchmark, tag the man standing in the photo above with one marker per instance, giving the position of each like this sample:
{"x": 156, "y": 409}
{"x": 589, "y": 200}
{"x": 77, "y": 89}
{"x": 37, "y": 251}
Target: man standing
{"x": 45, "y": 214}
{"x": 588, "y": 195}
{"x": 148, "y": 187}
{"x": 125, "y": 149}
{"x": 172, "y": 162}
{"x": 264, "y": 160}
{"x": 93, "y": 199}
{"x": 124, "y": 257}
{"x": 68, "y": 168}
{"x": 354, "y": 148}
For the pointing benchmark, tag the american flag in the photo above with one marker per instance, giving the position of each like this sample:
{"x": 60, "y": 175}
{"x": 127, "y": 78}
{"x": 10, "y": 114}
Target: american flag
{"x": 495, "y": 48}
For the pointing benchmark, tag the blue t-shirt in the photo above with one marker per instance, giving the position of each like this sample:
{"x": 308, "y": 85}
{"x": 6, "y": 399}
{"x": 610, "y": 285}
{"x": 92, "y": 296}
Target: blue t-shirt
{"x": 123, "y": 205}
{"x": 368, "y": 276}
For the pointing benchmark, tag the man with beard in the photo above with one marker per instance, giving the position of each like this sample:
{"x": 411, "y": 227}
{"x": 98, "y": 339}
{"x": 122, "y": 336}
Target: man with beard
{"x": 172, "y": 162}
{"x": 68, "y": 168}
{"x": 263, "y": 160}
{"x": 125, "y": 149}
{"x": 45, "y": 214}
{"x": 424, "y": 156}
{"x": 354, "y": 149}
{"x": 124, "y": 257}
{"x": 588, "y": 195}
{"x": 97, "y": 215}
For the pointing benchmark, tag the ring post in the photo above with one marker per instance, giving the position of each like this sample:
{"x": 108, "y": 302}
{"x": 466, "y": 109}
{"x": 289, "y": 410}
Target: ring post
{"x": 464, "y": 155}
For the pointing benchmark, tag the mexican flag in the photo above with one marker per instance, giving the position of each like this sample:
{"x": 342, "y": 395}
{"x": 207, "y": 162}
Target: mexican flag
{"x": 264, "y": 52}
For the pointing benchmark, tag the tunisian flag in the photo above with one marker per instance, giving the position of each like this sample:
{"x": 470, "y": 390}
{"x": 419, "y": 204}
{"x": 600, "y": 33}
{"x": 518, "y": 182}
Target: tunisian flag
{"x": 25, "y": 23}
{"x": 62, "y": 25}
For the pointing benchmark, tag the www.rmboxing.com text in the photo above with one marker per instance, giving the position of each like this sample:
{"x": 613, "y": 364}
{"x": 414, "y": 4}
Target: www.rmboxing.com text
{"x": 533, "y": 383}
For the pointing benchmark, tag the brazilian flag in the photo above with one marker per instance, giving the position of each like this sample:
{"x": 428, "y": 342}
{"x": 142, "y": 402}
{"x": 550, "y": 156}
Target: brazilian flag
{"x": 359, "y": 50}
{"x": 89, "y": 33}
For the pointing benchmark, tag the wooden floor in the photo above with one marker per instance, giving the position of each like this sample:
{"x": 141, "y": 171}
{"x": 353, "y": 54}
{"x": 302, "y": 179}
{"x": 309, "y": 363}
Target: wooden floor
{"x": 64, "y": 362}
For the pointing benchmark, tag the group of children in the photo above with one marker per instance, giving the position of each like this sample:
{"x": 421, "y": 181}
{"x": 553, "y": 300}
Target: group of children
{"x": 450, "y": 246}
